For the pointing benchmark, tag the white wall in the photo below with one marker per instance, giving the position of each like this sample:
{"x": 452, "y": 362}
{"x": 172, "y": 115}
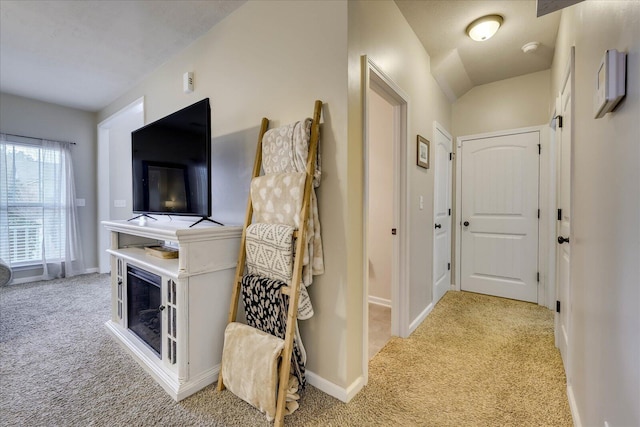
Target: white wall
{"x": 604, "y": 356}
{"x": 38, "y": 119}
{"x": 378, "y": 29}
{"x": 380, "y": 196}
{"x": 120, "y": 171}
{"x": 513, "y": 103}
{"x": 274, "y": 59}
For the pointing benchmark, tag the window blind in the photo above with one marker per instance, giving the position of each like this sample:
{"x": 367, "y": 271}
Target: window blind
{"x": 34, "y": 188}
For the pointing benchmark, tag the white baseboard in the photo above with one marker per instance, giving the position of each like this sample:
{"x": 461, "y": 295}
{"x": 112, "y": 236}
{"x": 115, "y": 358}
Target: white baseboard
{"x": 418, "y": 320}
{"x": 574, "y": 407}
{"x": 26, "y": 280}
{"x": 379, "y": 301}
{"x": 40, "y": 277}
{"x": 340, "y": 393}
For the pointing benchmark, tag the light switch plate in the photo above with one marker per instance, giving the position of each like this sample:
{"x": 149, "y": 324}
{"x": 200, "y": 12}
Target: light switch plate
{"x": 119, "y": 203}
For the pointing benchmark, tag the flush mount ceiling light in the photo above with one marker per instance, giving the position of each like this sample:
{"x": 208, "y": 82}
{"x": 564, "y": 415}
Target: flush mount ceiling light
{"x": 484, "y": 28}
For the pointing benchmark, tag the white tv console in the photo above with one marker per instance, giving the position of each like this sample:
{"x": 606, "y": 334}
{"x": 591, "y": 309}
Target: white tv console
{"x": 195, "y": 294}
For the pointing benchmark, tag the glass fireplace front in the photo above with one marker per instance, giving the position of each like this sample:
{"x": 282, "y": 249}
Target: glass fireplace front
{"x": 144, "y": 306}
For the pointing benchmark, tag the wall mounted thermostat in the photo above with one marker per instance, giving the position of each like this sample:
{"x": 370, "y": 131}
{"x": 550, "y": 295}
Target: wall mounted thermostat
{"x": 610, "y": 82}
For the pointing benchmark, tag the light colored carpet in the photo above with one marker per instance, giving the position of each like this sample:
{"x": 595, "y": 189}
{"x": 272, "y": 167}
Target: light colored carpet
{"x": 475, "y": 361}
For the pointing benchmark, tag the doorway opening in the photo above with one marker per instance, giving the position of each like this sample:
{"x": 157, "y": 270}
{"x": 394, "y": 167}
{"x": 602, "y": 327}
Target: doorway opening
{"x": 114, "y": 172}
{"x": 385, "y": 303}
{"x": 381, "y": 221}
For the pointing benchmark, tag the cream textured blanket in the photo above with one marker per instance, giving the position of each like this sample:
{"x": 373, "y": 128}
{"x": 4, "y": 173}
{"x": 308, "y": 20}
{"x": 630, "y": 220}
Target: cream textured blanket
{"x": 277, "y": 199}
{"x": 285, "y": 149}
{"x": 269, "y": 249}
{"x": 250, "y": 368}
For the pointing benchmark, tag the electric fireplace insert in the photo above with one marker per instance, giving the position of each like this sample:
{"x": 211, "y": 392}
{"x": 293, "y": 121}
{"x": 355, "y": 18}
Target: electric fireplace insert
{"x": 144, "y": 306}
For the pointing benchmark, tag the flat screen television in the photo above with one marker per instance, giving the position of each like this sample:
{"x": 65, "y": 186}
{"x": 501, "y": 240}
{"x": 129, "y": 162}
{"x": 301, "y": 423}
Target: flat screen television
{"x": 172, "y": 163}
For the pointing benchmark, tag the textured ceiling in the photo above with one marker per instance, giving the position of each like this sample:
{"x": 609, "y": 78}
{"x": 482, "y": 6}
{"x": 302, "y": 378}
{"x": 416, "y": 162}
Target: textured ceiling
{"x": 84, "y": 54}
{"x": 459, "y": 63}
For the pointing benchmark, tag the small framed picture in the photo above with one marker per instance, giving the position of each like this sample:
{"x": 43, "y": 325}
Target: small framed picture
{"x": 423, "y": 152}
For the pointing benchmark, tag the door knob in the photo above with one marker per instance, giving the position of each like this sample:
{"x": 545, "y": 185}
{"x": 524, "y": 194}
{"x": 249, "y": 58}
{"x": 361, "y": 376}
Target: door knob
{"x": 438, "y": 225}
{"x": 466, "y": 223}
{"x": 562, "y": 240}
{"x": 162, "y": 307}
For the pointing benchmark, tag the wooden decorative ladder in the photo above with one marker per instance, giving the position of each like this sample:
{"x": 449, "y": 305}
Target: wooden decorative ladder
{"x": 293, "y": 291}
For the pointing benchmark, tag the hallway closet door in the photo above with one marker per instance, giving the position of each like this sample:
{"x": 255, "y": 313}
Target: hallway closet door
{"x": 500, "y": 215}
{"x": 442, "y": 212}
{"x": 563, "y": 253}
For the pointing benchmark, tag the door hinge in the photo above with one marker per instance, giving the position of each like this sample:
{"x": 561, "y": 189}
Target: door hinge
{"x": 449, "y": 211}
{"x": 557, "y": 306}
{"x": 559, "y": 121}
{"x": 450, "y": 156}
{"x": 538, "y": 213}
{"x": 538, "y": 276}
{"x": 539, "y": 148}
{"x": 448, "y": 266}
{"x": 394, "y": 231}
{"x": 559, "y": 214}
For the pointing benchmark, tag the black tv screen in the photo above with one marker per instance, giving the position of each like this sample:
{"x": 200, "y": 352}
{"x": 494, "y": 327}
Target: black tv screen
{"x": 172, "y": 163}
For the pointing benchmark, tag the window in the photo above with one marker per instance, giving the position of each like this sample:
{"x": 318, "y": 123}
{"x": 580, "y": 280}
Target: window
{"x": 37, "y": 211}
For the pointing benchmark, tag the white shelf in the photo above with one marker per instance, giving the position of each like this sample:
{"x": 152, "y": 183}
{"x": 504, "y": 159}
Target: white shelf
{"x": 166, "y": 267}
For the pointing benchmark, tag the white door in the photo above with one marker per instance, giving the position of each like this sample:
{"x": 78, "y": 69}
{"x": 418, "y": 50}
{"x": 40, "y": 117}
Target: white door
{"x": 563, "y": 135}
{"x": 442, "y": 212}
{"x": 500, "y": 215}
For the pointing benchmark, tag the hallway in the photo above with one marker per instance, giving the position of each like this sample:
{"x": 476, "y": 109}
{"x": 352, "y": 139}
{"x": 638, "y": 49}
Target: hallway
{"x": 476, "y": 360}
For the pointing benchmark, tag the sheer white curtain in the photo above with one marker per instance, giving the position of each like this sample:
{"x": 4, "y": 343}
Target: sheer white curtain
{"x": 38, "y": 215}
{"x": 4, "y": 202}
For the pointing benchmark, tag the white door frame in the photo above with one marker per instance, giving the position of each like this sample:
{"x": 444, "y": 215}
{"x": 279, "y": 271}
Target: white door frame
{"x": 373, "y": 77}
{"x": 544, "y": 233}
{"x": 437, "y": 127}
{"x": 104, "y": 190}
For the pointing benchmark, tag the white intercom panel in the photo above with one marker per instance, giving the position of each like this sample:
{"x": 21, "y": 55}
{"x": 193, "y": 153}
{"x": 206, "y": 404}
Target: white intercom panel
{"x": 610, "y": 82}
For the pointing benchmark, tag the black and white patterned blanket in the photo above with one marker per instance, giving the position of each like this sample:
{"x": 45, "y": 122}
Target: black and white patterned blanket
{"x": 266, "y": 309}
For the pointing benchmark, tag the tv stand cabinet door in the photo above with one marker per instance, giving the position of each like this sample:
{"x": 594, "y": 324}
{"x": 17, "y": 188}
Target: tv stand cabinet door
{"x": 118, "y": 291}
{"x": 174, "y": 326}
